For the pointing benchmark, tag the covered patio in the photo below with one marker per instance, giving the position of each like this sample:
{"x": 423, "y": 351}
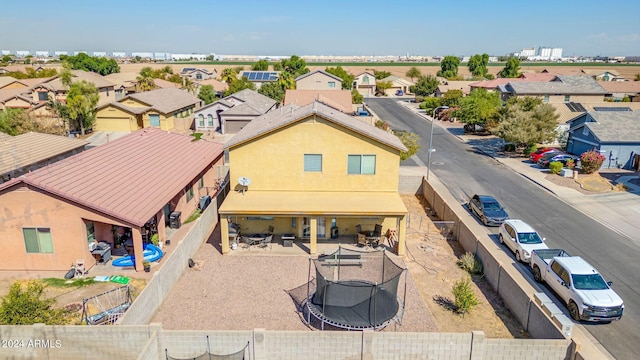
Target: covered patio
{"x": 310, "y": 218}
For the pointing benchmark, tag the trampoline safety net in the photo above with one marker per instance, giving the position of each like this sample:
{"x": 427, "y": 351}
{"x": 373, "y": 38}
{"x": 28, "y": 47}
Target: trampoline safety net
{"x": 207, "y": 355}
{"x": 355, "y": 289}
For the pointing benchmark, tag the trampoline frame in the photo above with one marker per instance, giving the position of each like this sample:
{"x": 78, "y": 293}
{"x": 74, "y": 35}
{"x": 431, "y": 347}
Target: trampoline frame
{"x": 312, "y": 310}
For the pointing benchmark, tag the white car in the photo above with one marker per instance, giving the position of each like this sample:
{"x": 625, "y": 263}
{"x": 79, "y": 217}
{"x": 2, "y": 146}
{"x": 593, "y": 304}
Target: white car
{"x": 520, "y": 238}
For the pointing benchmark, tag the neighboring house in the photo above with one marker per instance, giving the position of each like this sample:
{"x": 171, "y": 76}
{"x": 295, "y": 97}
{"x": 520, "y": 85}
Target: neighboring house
{"x": 260, "y": 77}
{"x": 617, "y": 90}
{"x": 397, "y": 83}
{"x": 232, "y": 113}
{"x": 129, "y": 185}
{"x": 463, "y": 86}
{"x": 219, "y": 87}
{"x": 337, "y": 99}
{"x": 314, "y": 172}
{"x": 53, "y": 87}
{"x": 615, "y": 134}
{"x": 365, "y": 83}
{"x": 124, "y": 83}
{"x": 160, "y": 108}
{"x": 195, "y": 74}
{"x": 562, "y": 89}
{"x": 26, "y": 152}
{"x": 535, "y": 76}
{"x": 605, "y": 75}
{"x": 19, "y": 68}
{"x": 318, "y": 80}
{"x": 565, "y": 70}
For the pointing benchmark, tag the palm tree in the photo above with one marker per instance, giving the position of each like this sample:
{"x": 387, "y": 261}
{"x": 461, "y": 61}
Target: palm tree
{"x": 145, "y": 79}
{"x": 190, "y": 86}
{"x": 229, "y": 75}
{"x": 286, "y": 80}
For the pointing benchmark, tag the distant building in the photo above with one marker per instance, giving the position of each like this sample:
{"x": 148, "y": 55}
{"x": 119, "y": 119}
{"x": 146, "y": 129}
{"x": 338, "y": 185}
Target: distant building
{"x": 547, "y": 53}
{"x": 23, "y": 53}
{"x": 99, "y": 54}
{"x": 76, "y": 53}
{"x": 5, "y": 52}
{"x": 119, "y": 54}
{"x": 162, "y": 56}
{"x": 42, "y": 53}
{"x": 528, "y": 52}
{"x": 142, "y": 54}
{"x": 58, "y": 53}
{"x": 200, "y": 57}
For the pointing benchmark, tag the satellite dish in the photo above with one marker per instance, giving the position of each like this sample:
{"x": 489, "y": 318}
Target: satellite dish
{"x": 244, "y": 182}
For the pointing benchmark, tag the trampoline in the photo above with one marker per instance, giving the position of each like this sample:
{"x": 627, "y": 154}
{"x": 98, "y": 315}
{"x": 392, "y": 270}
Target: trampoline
{"x": 355, "y": 290}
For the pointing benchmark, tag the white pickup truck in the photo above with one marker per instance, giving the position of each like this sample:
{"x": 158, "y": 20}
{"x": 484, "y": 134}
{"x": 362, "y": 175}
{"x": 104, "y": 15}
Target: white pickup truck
{"x": 588, "y": 296}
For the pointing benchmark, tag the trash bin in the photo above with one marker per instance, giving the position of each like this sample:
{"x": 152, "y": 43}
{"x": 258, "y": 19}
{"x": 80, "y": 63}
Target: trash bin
{"x": 204, "y": 201}
{"x": 334, "y": 232}
{"x": 174, "y": 220}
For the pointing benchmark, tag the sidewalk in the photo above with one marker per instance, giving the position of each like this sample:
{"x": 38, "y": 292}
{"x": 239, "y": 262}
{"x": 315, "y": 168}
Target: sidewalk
{"x": 618, "y": 211}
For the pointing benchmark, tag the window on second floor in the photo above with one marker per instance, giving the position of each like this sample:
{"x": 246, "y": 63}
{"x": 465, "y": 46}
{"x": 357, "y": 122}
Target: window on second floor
{"x": 43, "y": 96}
{"x": 361, "y": 164}
{"x": 365, "y": 79}
{"x": 545, "y": 99}
{"x": 567, "y": 98}
{"x": 201, "y": 183}
{"x": 200, "y": 120}
{"x": 312, "y": 162}
{"x": 332, "y": 84}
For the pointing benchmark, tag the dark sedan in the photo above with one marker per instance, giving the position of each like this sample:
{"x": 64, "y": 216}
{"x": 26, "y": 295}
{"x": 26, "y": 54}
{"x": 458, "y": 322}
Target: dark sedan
{"x": 488, "y": 210}
{"x": 553, "y": 157}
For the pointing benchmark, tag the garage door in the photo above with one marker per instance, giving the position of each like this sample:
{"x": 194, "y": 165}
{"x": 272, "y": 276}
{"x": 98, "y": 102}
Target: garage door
{"x": 113, "y": 124}
{"x": 233, "y": 126}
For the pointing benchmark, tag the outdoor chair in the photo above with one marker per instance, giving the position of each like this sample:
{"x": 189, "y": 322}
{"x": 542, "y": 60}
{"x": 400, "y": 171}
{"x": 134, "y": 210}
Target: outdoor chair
{"x": 270, "y": 230}
{"x": 266, "y": 242}
{"x": 80, "y": 268}
{"x": 246, "y": 242}
{"x": 378, "y": 230}
{"x": 358, "y": 229}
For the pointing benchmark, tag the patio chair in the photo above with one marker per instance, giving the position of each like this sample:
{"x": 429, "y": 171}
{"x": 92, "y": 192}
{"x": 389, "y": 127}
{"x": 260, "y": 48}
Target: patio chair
{"x": 358, "y": 229}
{"x": 246, "y": 242}
{"x": 80, "y": 268}
{"x": 378, "y": 230}
{"x": 266, "y": 242}
{"x": 270, "y": 230}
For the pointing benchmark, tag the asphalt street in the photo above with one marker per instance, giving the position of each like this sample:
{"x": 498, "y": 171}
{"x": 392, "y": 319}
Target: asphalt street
{"x": 466, "y": 170}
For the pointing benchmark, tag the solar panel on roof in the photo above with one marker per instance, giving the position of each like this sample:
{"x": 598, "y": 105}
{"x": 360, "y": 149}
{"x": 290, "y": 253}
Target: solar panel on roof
{"x": 252, "y": 76}
{"x": 259, "y": 76}
{"x": 575, "y": 107}
{"x": 607, "y": 108}
{"x": 273, "y": 76}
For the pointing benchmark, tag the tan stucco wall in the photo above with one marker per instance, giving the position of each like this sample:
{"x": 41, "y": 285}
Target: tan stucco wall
{"x": 133, "y": 103}
{"x": 24, "y": 207}
{"x": 318, "y": 81}
{"x": 166, "y": 121}
{"x": 16, "y": 103}
{"x": 15, "y": 85}
{"x": 559, "y": 99}
{"x": 276, "y": 162}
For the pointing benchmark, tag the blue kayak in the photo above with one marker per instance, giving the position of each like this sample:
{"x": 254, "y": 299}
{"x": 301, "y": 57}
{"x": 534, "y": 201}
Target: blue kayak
{"x": 151, "y": 253}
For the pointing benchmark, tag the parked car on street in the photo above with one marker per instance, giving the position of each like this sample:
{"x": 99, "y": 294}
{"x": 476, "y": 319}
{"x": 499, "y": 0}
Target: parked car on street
{"x": 535, "y": 156}
{"x": 521, "y": 238}
{"x": 553, "y": 157}
{"x": 587, "y": 295}
{"x": 488, "y": 210}
{"x": 399, "y": 92}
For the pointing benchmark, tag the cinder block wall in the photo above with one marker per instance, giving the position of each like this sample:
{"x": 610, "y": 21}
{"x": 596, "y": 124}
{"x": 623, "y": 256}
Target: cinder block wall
{"x": 150, "y": 299}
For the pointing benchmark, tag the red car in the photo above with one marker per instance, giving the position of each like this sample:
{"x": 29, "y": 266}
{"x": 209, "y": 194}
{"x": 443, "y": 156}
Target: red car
{"x": 535, "y": 156}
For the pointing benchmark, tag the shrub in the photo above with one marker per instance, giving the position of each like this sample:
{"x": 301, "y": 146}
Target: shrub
{"x": 591, "y": 161}
{"x": 469, "y": 263}
{"x": 465, "y": 298}
{"x": 555, "y": 167}
{"x": 24, "y": 305}
{"x": 529, "y": 149}
{"x": 509, "y": 147}
{"x": 570, "y": 164}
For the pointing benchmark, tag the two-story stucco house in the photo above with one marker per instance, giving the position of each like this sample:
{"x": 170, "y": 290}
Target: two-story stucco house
{"x": 158, "y": 108}
{"x": 314, "y": 172}
{"x": 318, "y": 80}
{"x": 365, "y": 83}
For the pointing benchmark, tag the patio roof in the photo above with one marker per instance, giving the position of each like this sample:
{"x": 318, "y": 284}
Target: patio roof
{"x": 313, "y": 203}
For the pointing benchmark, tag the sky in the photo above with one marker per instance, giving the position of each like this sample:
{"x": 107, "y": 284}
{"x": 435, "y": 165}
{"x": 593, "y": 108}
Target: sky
{"x": 327, "y": 27}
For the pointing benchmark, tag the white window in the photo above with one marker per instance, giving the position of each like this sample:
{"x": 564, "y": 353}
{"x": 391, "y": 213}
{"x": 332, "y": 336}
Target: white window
{"x": 332, "y": 84}
{"x": 38, "y": 240}
{"x": 546, "y": 99}
{"x": 200, "y": 120}
{"x": 361, "y": 164}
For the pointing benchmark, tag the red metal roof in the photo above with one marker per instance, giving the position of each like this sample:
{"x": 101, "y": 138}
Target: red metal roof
{"x": 130, "y": 178}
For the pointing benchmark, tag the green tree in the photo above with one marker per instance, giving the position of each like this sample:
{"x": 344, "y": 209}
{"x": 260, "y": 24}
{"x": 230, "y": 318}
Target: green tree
{"x": 478, "y": 65}
{"x": 347, "y": 78}
{"x": 207, "y": 94}
{"x": 430, "y": 103}
{"x": 511, "y": 69}
{"x": 526, "y": 122}
{"x": 465, "y": 298}
{"x": 66, "y": 76}
{"x": 411, "y": 141}
{"x": 261, "y": 65}
{"x": 478, "y": 107}
{"x": 425, "y": 86}
{"x": 637, "y": 77}
{"x": 383, "y": 86}
{"x": 272, "y": 90}
{"x": 381, "y": 74}
{"x": 228, "y": 75}
{"x": 7, "y": 59}
{"x": 25, "y": 305}
{"x": 413, "y": 73}
{"x": 356, "y": 97}
{"x": 286, "y": 81}
{"x": 82, "y": 99}
{"x": 145, "y": 79}
{"x": 449, "y": 67}
{"x": 82, "y": 61}
{"x": 452, "y": 98}
{"x": 295, "y": 65}
{"x": 239, "y": 85}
